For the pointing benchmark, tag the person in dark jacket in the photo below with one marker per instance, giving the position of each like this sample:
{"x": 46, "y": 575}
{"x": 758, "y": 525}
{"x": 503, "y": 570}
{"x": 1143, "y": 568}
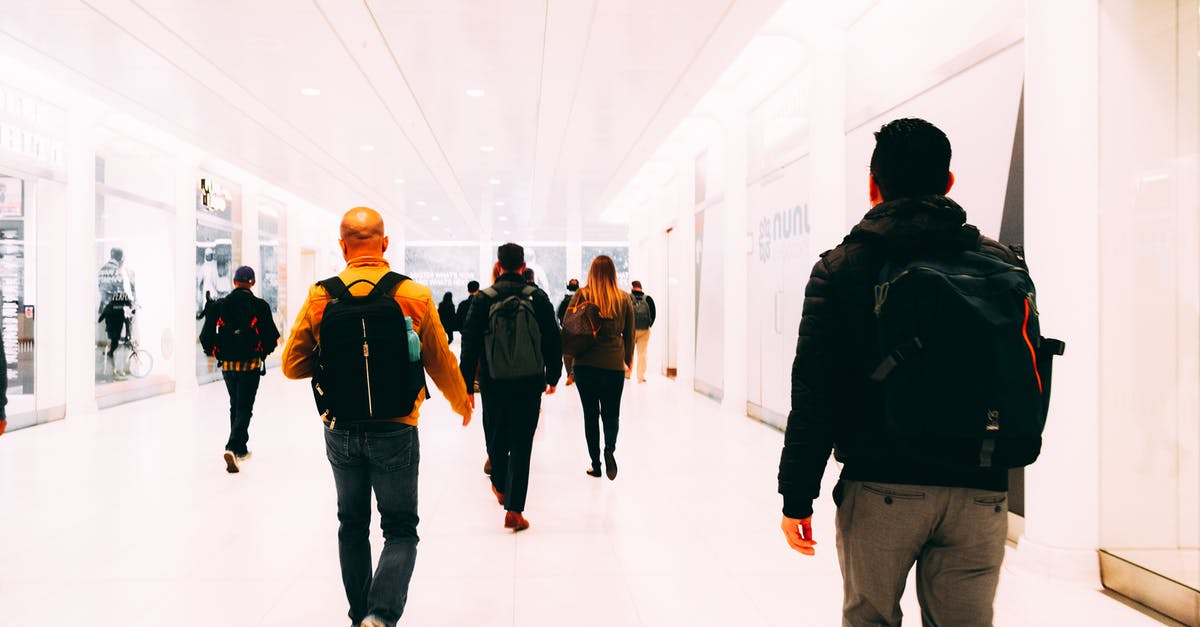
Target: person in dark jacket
{"x": 449, "y": 316}
{"x": 572, "y": 287}
{"x": 460, "y": 316}
{"x": 241, "y": 375}
{"x": 892, "y": 510}
{"x": 117, "y": 318}
{"x": 511, "y": 406}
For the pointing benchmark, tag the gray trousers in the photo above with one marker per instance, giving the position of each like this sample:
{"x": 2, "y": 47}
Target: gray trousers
{"x": 955, "y": 536}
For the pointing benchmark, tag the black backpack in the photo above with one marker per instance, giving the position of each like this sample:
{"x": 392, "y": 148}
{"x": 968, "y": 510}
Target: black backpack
{"x": 641, "y": 311}
{"x": 965, "y": 370}
{"x": 513, "y": 341}
{"x": 368, "y": 359}
{"x": 238, "y": 335}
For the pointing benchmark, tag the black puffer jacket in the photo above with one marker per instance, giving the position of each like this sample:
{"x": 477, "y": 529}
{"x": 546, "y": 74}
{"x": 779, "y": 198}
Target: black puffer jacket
{"x": 835, "y": 405}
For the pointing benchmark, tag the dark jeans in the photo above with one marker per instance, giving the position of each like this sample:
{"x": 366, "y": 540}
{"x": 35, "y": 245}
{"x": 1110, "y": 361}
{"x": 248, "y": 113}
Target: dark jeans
{"x": 512, "y": 409}
{"x": 600, "y": 392}
{"x": 385, "y": 461}
{"x": 242, "y": 387}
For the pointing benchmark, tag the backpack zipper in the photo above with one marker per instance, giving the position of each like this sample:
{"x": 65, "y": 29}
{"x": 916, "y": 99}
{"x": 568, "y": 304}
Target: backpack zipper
{"x": 367, "y": 364}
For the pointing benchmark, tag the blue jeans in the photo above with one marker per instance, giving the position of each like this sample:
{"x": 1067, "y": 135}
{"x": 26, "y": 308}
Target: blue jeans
{"x": 385, "y": 460}
{"x": 242, "y": 388}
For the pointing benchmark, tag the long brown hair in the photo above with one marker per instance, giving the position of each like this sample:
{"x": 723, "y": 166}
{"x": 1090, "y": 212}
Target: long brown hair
{"x": 601, "y": 287}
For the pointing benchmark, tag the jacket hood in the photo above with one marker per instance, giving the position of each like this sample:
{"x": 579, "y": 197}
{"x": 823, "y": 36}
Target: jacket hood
{"x": 917, "y": 225}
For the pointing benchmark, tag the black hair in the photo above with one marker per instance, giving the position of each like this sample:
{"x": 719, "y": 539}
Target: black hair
{"x": 911, "y": 158}
{"x": 572, "y": 285}
{"x": 528, "y": 274}
{"x": 448, "y": 298}
{"x": 511, "y": 257}
{"x": 473, "y": 286}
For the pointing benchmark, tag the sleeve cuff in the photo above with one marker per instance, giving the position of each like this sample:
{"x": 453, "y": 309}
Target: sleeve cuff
{"x": 797, "y": 507}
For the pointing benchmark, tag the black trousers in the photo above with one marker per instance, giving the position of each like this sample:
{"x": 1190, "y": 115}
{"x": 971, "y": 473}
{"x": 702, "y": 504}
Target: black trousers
{"x": 512, "y": 409}
{"x": 242, "y": 387}
{"x": 600, "y": 392}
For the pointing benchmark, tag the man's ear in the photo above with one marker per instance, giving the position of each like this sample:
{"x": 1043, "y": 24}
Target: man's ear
{"x": 385, "y": 243}
{"x": 949, "y": 182}
{"x": 876, "y": 194}
{"x": 342, "y": 245}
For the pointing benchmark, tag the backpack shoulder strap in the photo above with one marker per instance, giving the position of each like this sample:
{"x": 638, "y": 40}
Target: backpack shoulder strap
{"x": 334, "y": 286}
{"x": 490, "y": 292}
{"x": 528, "y": 291}
{"x": 388, "y": 283}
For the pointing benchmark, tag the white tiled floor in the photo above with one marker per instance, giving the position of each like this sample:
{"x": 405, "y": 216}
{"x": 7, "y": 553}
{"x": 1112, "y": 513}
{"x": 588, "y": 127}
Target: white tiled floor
{"x": 127, "y": 518}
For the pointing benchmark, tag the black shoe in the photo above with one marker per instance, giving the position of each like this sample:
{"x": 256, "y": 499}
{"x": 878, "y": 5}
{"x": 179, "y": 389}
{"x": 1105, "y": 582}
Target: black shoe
{"x": 610, "y": 464}
{"x": 594, "y": 470}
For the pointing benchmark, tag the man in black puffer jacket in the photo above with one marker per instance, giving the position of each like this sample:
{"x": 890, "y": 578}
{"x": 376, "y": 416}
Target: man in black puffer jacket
{"x": 893, "y": 510}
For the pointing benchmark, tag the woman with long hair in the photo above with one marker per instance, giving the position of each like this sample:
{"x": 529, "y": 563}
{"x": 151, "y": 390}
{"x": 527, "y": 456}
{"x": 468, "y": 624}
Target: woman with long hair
{"x": 600, "y": 372}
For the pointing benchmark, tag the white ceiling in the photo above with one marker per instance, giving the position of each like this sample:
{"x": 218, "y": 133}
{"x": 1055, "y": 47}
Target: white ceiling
{"x": 578, "y": 93}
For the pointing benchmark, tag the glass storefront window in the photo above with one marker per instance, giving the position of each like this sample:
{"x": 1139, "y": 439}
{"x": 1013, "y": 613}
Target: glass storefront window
{"x": 272, "y": 254}
{"x": 134, "y": 303}
{"x": 1150, "y": 300}
{"x": 620, "y": 257}
{"x": 16, "y": 321}
{"x": 549, "y": 265}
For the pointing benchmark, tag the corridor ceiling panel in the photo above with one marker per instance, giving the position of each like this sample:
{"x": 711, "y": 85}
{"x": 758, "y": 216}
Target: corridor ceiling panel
{"x": 489, "y": 116}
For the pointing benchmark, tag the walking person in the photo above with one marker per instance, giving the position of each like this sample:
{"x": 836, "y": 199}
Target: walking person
{"x": 116, "y": 316}
{"x": 572, "y": 287}
{"x": 367, "y": 337}
{"x": 460, "y": 316}
{"x": 908, "y": 394}
{"x": 600, "y": 371}
{"x": 449, "y": 316}
{"x": 512, "y": 341}
{"x": 240, "y": 332}
{"x": 644, "y": 314}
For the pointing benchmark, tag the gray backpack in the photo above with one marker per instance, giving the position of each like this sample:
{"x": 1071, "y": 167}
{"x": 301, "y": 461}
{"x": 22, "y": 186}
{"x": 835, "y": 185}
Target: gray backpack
{"x": 513, "y": 342}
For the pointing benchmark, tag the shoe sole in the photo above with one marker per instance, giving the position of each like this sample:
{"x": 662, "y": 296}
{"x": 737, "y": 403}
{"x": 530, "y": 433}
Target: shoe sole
{"x": 610, "y": 464}
{"x": 230, "y": 463}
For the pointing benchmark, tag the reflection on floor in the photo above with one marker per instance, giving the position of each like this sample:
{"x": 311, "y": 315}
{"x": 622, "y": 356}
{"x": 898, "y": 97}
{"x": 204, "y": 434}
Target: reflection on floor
{"x": 127, "y": 518}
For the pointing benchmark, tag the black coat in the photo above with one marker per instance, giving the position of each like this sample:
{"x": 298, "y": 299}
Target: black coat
{"x": 835, "y": 405}
{"x": 267, "y": 330}
{"x": 473, "y": 331}
{"x": 448, "y": 315}
{"x": 460, "y": 316}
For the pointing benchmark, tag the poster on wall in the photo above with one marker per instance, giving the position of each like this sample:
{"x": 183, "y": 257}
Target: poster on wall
{"x": 216, "y": 258}
{"x": 620, "y": 257}
{"x": 549, "y": 265}
{"x": 12, "y": 287}
{"x": 781, "y": 228}
{"x": 444, "y": 269}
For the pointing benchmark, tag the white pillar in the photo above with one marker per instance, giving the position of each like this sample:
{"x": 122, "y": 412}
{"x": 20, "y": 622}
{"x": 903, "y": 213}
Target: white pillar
{"x": 186, "y": 179}
{"x": 1061, "y": 218}
{"x": 735, "y": 242}
{"x": 80, "y": 371}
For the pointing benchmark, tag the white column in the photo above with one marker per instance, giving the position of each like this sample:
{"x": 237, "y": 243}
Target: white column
{"x": 186, "y": 178}
{"x": 80, "y": 371}
{"x": 1062, "y": 240}
{"x": 736, "y": 249}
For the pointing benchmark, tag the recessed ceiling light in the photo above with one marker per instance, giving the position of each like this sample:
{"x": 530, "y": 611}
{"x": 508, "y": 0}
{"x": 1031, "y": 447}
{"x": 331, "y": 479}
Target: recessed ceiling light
{"x": 507, "y": 232}
{"x": 487, "y": 148}
{"x": 366, "y": 148}
{"x": 400, "y": 181}
{"x": 421, "y": 203}
{"x": 494, "y": 181}
{"x": 499, "y": 203}
{"x": 476, "y": 93}
{"x": 437, "y": 218}
{"x": 503, "y": 218}
{"x": 310, "y": 91}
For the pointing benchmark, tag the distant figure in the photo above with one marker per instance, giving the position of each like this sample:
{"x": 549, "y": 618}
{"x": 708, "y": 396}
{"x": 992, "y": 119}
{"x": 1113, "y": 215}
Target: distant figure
{"x": 240, "y": 332}
{"x": 529, "y": 277}
{"x": 460, "y": 316}
{"x": 389, "y": 335}
{"x": 644, "y": 314}
{"x": 572, "y": 287}
{"x": 208, "y": 279}
{"x": 448, "y": 315}
{"x": 512, "y": 341}
{"x": 599, "y": 372}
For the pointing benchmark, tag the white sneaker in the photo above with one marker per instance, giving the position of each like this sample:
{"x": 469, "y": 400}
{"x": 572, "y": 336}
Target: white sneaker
{"x": 231, "y": 462}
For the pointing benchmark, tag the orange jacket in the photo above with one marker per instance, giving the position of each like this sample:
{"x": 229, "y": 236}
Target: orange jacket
{"x": 299, "y": 356}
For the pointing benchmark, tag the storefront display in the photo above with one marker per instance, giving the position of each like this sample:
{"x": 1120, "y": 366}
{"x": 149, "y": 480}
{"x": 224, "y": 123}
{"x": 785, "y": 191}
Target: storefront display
{"x": 444, "y": 269}
{"x": 16, "y": 324}
{"x": 272, "y": 255}
{"x": 217, "y": 213}
{"x": 134, "y": 304}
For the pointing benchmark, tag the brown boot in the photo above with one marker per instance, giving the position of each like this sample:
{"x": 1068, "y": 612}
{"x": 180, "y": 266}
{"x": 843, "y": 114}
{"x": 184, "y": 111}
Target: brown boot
{"x": 515, "y": 521}
{"x": 499, "y": 496}
{"x": 487, "y": 466}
